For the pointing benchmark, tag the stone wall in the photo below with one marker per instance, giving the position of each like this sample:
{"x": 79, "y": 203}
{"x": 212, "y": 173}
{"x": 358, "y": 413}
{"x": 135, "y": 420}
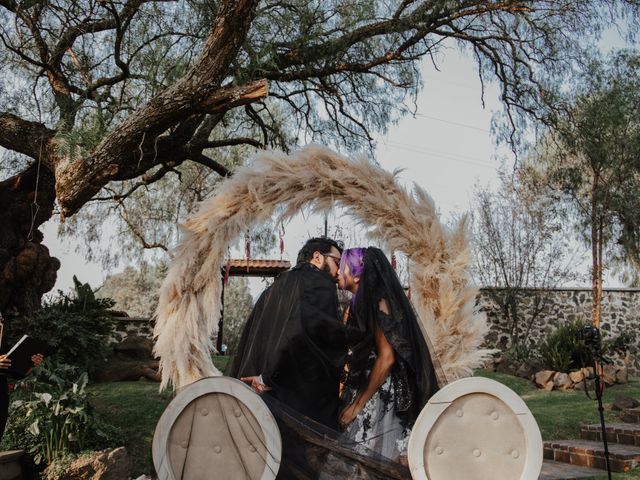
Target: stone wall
{"x": 620, "y": 311}
{"x": 126, "y": 326}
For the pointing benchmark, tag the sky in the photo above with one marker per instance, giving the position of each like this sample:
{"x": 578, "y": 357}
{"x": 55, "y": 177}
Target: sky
{"x": 446, "y": 148}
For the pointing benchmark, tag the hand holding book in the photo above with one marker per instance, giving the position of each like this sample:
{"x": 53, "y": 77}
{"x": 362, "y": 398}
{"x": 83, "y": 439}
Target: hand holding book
{"x": 22, "y": 357}
{"x": 5, "y": 362}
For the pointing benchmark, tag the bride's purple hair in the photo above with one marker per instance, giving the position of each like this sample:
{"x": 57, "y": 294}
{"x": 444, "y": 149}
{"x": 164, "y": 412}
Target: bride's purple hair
{"x": 354, "y": 257}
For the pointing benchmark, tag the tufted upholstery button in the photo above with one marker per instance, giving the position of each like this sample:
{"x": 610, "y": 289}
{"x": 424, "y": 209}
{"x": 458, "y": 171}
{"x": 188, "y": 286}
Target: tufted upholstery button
{"x": 204, "y": 412}
{"x": 252, "y": 448}
{"x": 459, "y": 413}
{"x": 439, "y": 450}
{"x": 495, "y": 415}
{"x": 184, "y": 444}
{"x": 217, "y": 449}
{"x": 477, "y": 452}
{"x": 237, "y": 412}
{"x": 515, "y": 454}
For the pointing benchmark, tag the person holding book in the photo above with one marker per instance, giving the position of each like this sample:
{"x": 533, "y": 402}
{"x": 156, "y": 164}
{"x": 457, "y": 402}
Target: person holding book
{"x": 5, "y": 365}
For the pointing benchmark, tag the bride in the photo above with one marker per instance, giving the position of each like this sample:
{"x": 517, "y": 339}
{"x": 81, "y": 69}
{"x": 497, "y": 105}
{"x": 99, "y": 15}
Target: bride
{"x": 389, "y": 374}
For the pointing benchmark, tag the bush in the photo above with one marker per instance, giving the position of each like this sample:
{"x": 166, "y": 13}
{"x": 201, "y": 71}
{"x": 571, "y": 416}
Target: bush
{"x": 77, "y": 326}
{"x": 51, "y": 415}
{"x": 563, "y": 350}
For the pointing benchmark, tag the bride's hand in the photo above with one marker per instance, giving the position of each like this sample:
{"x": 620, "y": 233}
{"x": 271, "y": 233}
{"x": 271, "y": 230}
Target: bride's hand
{"x": 348, "y": 415}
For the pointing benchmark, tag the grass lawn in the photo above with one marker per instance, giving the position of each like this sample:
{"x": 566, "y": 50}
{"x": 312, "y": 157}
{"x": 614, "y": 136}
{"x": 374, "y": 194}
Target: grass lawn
{"x": 135, "y": 408}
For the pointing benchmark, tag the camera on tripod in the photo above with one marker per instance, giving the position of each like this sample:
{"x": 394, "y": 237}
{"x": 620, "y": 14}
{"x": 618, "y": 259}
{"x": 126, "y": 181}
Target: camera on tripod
{"x": 592, "y": 341}
{"x": 590, "y": 336}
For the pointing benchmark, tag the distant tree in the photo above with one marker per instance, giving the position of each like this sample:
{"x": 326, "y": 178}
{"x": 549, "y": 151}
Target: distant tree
{"x": 102, "y": 100}
{"x": 238, "y": 303}
{"x": 135, "y": 290}
{"x": 591, "y": 158}
{"x": 520, "y": 243}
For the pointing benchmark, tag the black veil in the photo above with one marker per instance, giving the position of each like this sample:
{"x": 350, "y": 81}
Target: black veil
{"x": 414, "y": 367}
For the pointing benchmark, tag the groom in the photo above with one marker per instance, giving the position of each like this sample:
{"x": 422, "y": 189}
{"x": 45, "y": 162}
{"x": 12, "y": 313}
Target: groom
{"x": 293, "y": 345}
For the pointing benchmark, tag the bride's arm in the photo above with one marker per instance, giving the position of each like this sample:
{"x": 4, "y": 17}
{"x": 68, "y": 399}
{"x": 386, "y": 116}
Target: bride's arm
{"x": 385, "y": 358}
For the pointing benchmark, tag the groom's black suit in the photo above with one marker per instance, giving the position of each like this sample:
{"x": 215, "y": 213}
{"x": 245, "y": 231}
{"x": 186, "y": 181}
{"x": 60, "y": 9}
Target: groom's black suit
{"x": 295, "y": 339}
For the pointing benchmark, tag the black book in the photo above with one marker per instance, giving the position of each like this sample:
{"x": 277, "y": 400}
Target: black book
{"x": 20, "y": 356}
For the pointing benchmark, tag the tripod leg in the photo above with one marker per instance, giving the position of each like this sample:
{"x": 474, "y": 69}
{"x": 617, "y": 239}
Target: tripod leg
{"x": 601, "y": 411}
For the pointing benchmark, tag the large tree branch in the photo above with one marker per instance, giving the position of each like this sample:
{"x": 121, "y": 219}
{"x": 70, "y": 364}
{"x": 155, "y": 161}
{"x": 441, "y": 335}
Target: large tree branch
{"x": 197, "y": 92}
{"x": 169, "y": 160}
{"x": 161, "y": 149}
{"x": 29, "y": 138}
{"x": 228, "y": 142}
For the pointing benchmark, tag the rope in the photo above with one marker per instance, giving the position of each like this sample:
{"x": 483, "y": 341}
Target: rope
{"x": 35, "y": 208}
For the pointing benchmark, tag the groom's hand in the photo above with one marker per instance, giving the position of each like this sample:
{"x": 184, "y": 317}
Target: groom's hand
{"x": 255, "y": 383}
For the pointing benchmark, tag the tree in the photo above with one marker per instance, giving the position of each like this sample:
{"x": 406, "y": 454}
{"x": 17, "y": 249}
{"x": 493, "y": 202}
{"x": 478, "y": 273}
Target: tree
{"x": 135, "y": 290}
{"x": 99, "y": 99}
{"x": 238, "y": 304}
{"x": 521, "y": 248}
{"x": 591, "y": 158}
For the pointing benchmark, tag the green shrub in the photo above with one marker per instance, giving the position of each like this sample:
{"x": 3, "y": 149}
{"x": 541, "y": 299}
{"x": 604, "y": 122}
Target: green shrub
{"x": 520, "y": 354}
{"x": 78, "y": 326}
{"x": 619, "y": 344}
{"x": 563, "y": 350}
{"x": 51, "y": 416}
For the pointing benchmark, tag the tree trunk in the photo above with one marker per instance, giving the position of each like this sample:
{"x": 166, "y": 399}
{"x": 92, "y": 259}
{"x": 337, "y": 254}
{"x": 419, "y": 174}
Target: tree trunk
{"x": 27, "y": 271}
{"x": 596, "y": 257}
{"x": 597, "y": 318}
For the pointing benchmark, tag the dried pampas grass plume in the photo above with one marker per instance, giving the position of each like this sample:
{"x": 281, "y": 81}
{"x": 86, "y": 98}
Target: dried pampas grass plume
{"x": 317, "y": 178}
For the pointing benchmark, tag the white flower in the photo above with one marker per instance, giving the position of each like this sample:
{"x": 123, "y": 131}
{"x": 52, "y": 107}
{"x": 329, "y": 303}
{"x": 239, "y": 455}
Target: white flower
{"x": 33, "y": 428}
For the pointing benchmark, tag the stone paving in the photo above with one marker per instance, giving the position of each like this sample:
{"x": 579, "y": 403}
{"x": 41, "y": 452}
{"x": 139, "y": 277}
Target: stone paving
{"x": 563, "y": 471}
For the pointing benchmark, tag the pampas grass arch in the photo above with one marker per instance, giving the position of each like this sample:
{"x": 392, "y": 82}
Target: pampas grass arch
{"x": 316, "y": 177}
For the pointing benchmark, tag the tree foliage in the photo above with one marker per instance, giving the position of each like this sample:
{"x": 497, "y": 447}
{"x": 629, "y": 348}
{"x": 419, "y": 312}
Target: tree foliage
{"x": 238, "y": 304}
{"x": 591, "y": 158}
{"x": 135, "y": 290}
{"x": 520, "y": 243}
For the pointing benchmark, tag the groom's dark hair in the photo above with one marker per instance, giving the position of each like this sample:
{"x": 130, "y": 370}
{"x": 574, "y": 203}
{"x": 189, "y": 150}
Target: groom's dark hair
{"x": 317, "y": 244}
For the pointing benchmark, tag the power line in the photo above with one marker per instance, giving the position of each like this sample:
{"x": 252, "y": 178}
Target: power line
{"x": 422, "y": 149}
{"x": 436, "y": 153}
{"x": 457, "y": 124}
